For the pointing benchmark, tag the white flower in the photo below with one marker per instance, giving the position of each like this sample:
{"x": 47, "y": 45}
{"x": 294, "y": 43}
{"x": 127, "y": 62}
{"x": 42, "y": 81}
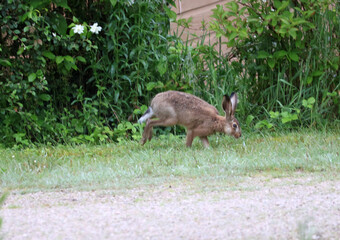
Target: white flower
{"x": 54, "y": 34}
{"x": 95, "y": 28}
{"x": 130, "y": 2}
{"x": 78, "y": 29}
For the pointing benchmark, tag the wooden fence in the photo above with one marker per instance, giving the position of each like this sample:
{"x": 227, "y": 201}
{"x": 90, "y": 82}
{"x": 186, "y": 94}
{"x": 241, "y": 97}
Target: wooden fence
{"x": 199, "y": 10}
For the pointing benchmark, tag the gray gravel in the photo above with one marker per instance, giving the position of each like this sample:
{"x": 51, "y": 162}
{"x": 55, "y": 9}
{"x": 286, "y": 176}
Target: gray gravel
{"x": 255, "y": 208}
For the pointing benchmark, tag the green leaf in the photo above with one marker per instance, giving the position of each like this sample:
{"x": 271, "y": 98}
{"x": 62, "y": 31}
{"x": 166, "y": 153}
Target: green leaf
{"x": 311, "y": 100}
{"x": 304, "y": 103}
{"x": 274, "y": 114}
{"x": 294, "y": 56}
{"x": 280, "y": 54}
{"x": 309, "y": 80}
{"x": 234, "y": 6}
{"x": 283, "y": 5}
{"x": 79, "y": 128}
{"x": 69, "y": 58}
{"x": 294, "y": 116}
{"x": 271, "y": 63}
{"x": 262, "y": 55}
{"x": 45, "y": 97}
{"x": 116, "y": 97}
{"x": 39, "y": 4}
{"x": 274, "y": 22}
{"x": 81, "y": 59}
{"x": 32, "y": 77}
{"x": 277, "y": 4}
{"x": 317, "y": 73}
{"x": 171, "y": 14}
{"x": 243, "y": 33}
{"x": 59, "y": 59}
{"x": 5, "y": 63}
{"x": 250, "y": 118}
{"x": 20, "y": 51}
{"x": 292, "y": 32}
{"x": 49, "y": 55}
{"x": 285, "y": 120}
{"x": 232, "y": 35}
{"x": 113, "y": 2}
{"x": 126, "y": 78}
{"x": 151, "y": 85}
{"x": 263, "y": 123}
{"x": 62, "y": 3}
{"x": 331, "y": 94}
{"x": 162, "y": 67}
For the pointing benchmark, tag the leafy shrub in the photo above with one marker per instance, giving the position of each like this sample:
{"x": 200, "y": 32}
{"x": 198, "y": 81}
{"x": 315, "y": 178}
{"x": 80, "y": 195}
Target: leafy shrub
{"x": 61, "y": 82}
{"x": 284, "y": 52}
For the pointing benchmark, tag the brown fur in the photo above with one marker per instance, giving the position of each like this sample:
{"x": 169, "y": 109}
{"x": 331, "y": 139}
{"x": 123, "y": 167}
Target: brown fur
{"x": 199, "y": 117}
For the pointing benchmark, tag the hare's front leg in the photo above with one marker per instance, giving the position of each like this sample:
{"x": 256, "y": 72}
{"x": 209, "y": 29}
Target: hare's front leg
{"x": 198, "y": 132}
{"x": 205, "y": 141}
{"x": 190, "y": 137}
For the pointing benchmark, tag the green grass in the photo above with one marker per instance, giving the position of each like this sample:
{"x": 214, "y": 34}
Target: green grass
{"x": 164, "y": 159}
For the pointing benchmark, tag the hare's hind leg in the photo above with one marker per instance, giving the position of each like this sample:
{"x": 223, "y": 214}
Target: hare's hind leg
{"x": 147, "y": 134}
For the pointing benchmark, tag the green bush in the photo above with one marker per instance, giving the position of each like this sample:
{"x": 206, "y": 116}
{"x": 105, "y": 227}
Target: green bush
{"x": 284, "y": 54}
{"x": 60, "y": 85}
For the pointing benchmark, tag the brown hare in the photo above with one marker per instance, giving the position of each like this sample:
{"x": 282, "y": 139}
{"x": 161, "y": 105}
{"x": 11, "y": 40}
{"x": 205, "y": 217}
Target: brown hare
{"x": 199, "y": 117}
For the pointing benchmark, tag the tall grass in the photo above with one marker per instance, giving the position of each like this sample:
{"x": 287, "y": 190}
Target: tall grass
{"x": 166, "y": 159}
{"x": 295, "y": 76}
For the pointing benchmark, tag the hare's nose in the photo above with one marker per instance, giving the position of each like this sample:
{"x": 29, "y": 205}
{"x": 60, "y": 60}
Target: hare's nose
{"x": 237, "y": 135}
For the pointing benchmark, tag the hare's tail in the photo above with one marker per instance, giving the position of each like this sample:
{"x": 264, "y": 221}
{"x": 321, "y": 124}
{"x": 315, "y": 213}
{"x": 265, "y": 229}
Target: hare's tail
{"x": 148, "y": 114}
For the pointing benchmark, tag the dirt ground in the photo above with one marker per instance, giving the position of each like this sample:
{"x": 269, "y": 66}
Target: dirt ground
{"x": 253, "y": 208}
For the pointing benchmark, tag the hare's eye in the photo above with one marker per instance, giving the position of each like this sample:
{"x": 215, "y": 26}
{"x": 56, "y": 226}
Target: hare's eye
{"x": 234, "y": 125}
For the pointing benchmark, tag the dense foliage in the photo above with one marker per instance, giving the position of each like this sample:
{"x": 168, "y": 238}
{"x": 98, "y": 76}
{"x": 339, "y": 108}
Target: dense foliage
{"x": 74, "y": 71}
{"x": 285, "y": 55}
{"x": 62, "y": 82}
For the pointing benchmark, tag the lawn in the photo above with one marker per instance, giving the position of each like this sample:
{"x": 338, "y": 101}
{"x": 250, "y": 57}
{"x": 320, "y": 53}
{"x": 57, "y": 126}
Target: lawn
{"x": 127, "y": 164}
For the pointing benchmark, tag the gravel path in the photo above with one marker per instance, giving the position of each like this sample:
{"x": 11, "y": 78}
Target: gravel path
{"x": 254, "y": 208}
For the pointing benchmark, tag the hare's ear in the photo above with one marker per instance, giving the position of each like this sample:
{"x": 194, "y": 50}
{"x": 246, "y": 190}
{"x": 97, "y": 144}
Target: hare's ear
{"x": 227, "y": 105}
{"x": 233, "y": 100}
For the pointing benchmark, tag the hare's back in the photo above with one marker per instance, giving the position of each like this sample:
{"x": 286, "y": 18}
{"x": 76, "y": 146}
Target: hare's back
{"x": 184, "y": 106}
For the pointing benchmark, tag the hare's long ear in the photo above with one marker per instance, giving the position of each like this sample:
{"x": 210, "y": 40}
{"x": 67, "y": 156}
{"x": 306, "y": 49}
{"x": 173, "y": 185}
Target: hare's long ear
{"x": 233, "y": 100}
{"x": 227, "y": 106}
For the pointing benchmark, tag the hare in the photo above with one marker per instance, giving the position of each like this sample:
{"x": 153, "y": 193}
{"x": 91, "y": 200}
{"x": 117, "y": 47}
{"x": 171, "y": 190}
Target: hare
{"x": 199, "y": 117}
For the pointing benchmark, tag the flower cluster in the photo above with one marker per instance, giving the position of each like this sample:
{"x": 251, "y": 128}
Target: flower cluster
{"x": 80, "y": 28}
